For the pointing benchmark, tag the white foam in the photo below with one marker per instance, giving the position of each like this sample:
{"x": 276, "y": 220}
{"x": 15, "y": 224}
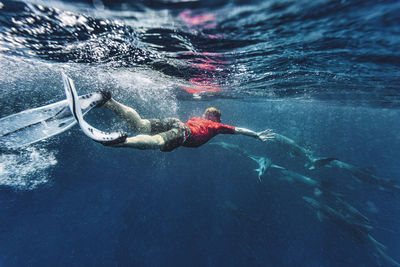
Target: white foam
{"x": 70, "y": 19}
{"x": 27, "y": 169}
{"x": 150, "y": 88}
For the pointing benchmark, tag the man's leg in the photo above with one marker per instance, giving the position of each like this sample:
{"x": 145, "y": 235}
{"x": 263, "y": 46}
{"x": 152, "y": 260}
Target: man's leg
{"x": 130, "y": 116}
{"x": 166, "y": 141}
{"x": 143, "y": 141}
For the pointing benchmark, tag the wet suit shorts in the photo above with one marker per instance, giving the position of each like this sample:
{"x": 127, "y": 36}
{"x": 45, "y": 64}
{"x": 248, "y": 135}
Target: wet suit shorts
{"x": 172, "y": 130}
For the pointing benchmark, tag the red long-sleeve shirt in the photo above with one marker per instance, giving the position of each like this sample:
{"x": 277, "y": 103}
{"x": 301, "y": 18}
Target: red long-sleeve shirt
{"x": 203, "y": 130}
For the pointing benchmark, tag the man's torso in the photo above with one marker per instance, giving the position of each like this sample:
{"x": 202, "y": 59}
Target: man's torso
{"x": 202, "y": 130}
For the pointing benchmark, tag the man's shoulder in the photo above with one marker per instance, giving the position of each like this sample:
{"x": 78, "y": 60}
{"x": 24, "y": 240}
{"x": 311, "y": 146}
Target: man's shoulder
{"x": 203, "y": 122}
{"x": 197, "y": 119}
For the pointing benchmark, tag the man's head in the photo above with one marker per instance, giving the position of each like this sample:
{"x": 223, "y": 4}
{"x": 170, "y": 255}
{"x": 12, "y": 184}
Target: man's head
{"x": 213, "y": 114}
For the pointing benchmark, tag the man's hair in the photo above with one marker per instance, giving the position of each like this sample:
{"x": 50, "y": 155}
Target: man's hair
{"x": 212, "y": 113}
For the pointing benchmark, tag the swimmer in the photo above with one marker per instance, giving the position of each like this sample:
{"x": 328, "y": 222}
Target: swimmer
{"x": 171, "y": 133}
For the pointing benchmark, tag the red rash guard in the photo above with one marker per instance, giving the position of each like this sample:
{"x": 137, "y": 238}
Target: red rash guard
{"x": 203, "y": 130}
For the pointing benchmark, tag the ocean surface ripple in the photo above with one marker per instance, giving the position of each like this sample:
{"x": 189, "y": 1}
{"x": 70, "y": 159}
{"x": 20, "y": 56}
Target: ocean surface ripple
{"x": 336, "y": 51}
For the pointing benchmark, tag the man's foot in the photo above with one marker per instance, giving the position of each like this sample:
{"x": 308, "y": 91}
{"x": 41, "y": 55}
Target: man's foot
{"x": 121, "y": 139}
{"x": 106, "y": 97}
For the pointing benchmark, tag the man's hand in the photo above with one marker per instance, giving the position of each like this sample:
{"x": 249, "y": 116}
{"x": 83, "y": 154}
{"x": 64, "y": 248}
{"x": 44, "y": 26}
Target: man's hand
{"x": 266, "y": 135}
{"x": 263, "y": 135}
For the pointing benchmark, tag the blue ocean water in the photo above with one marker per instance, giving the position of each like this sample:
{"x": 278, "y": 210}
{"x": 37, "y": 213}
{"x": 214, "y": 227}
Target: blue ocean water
{"x": 322, "y": 73}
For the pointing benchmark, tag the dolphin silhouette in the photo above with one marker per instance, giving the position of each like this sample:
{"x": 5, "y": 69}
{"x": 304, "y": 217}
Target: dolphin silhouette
{"x": 311, "y": 161}
{"x": 364, "y": 175}
{"x": 359, "y": 230}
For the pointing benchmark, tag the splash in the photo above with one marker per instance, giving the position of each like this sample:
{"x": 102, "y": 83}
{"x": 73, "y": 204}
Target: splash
{"x": 147, "y": 88}
{"x": 27, "y": 169}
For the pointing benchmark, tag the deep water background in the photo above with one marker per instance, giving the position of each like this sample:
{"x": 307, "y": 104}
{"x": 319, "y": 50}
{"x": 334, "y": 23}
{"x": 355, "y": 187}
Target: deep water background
{"x": 324, "y": 73}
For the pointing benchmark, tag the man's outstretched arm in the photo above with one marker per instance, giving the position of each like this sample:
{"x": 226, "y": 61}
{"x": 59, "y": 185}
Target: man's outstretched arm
{"x": 263, "y": 135}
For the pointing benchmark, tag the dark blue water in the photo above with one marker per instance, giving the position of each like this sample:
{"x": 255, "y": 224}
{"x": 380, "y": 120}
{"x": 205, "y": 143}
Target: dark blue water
{"x": 323, "y": 73}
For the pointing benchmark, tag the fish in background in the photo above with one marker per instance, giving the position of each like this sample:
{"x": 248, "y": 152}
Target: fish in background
{"x": 350, "y": 222}
{"x": 298, "y": 151}
{"x": 263, "y": 163}
{"x": 312, "y": 162}
{"x": 353, "y": 211}
{"x": 290, "y": 176}
{"x": 345, "y": 215}
{"x": 232, "y": 147}
{"x": 364, "y": 175}
{"x": 301, "y": 152}
{"x": 293, "y": 148}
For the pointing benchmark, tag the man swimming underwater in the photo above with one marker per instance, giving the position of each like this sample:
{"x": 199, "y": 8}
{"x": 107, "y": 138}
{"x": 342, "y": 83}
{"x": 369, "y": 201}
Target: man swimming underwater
{"x": 171, "y": 133}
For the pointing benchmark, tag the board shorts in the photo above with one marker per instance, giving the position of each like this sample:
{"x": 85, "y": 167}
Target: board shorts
{"x": 172, "y": 130}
